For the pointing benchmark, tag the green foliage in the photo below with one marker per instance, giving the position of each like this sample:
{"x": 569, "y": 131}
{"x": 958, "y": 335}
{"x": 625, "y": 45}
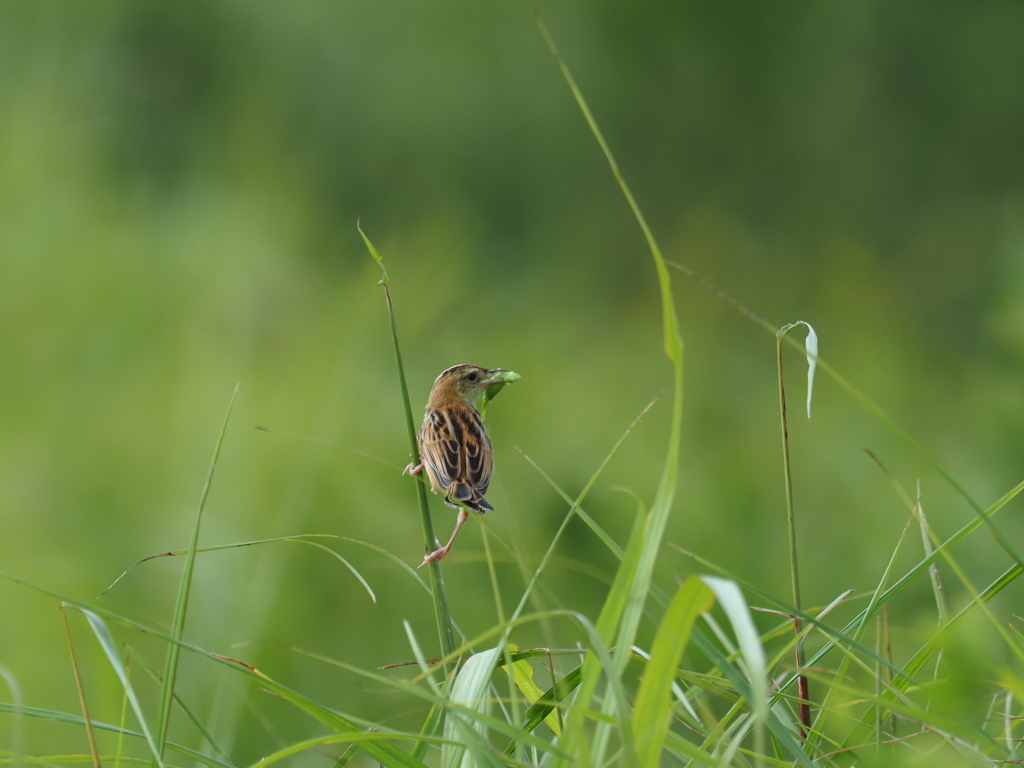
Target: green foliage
{"x": 186, "y": 230}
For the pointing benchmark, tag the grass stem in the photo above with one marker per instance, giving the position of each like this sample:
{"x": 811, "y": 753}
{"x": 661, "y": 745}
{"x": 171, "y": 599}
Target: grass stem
{"x": 442, "y": 616}
{"x": 794, "y": 568}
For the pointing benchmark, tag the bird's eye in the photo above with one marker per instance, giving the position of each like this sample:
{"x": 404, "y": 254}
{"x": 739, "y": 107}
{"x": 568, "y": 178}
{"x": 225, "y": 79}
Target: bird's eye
{"x": 472, "y": 376}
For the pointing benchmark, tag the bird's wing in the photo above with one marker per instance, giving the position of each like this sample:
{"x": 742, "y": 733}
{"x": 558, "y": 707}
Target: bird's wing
{"x": 479, "y": 464}
{"x": 479, "y": 456}
{"x": 455, "y": 449}
{"x": 440, "y": 449}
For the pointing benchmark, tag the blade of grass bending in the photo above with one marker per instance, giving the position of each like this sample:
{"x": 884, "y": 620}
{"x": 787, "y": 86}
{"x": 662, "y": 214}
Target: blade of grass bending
{"x": 299, "y": 539}
{"x": 736, "y": 609}
{"x": 106, "y": 642}
{"x": 652, "y": 711}
{"x": 181, "y": 606}
{"x": 446, "y": 634}
{"x": 635, "y": 581}
{"x": 751, "y": 650}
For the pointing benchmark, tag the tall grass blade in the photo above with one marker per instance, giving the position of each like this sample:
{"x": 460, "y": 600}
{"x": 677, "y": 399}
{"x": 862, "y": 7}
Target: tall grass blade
{"x": 181, "y": 606}
{"x": 442, "y": 615}
{"x": 634, "y": 585}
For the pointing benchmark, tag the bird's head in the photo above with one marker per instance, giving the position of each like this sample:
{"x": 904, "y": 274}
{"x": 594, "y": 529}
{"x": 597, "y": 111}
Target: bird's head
{"x": 468, "y": 382}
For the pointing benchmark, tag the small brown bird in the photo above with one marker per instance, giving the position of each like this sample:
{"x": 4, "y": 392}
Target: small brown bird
{"x": 454, "y": 447}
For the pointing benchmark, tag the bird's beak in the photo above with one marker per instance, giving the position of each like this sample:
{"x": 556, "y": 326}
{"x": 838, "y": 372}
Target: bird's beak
{"x": 500, "y": 376}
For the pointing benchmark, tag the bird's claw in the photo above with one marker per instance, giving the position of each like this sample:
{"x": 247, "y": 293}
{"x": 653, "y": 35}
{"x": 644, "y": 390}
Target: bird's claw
{"x": 413, "y": 469}
{"x": 437, "y": 554}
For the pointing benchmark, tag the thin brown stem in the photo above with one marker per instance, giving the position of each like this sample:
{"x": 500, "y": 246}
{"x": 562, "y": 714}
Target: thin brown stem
{"x": 81, "y": 690}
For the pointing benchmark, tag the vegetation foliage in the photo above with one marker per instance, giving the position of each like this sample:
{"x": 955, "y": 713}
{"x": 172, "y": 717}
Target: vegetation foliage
{"x": 686, "y": 652}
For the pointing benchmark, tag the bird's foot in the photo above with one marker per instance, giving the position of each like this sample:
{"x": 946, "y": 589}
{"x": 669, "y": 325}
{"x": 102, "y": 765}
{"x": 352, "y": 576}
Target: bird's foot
{"x": 437, "y": 554}
{"x": 413, "y": 469}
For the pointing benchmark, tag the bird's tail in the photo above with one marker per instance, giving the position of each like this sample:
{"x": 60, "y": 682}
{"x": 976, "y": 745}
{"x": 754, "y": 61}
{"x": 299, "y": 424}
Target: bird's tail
{"x": 465, "y": 494}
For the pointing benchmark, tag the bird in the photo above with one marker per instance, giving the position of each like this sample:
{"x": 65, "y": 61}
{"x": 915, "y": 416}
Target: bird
{"x": 453, "y": 444}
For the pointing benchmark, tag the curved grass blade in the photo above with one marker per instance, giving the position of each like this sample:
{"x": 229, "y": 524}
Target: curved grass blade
{"x": 751, "y": 650}
{"x": 811, "y": 348}
{"x": 635, "y": 581}
{"x": 300, "y": 539}
{"x": 106, "y": 642}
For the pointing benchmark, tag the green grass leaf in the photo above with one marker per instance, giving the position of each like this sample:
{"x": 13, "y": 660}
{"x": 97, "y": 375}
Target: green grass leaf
{"x": 465, "y": 737}
{"x": 652, "y": 712}
{"x": 110, "y": 649}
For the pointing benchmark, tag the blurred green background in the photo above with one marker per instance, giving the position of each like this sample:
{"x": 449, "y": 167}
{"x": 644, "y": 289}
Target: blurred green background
{"x": 179, "y": 188}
